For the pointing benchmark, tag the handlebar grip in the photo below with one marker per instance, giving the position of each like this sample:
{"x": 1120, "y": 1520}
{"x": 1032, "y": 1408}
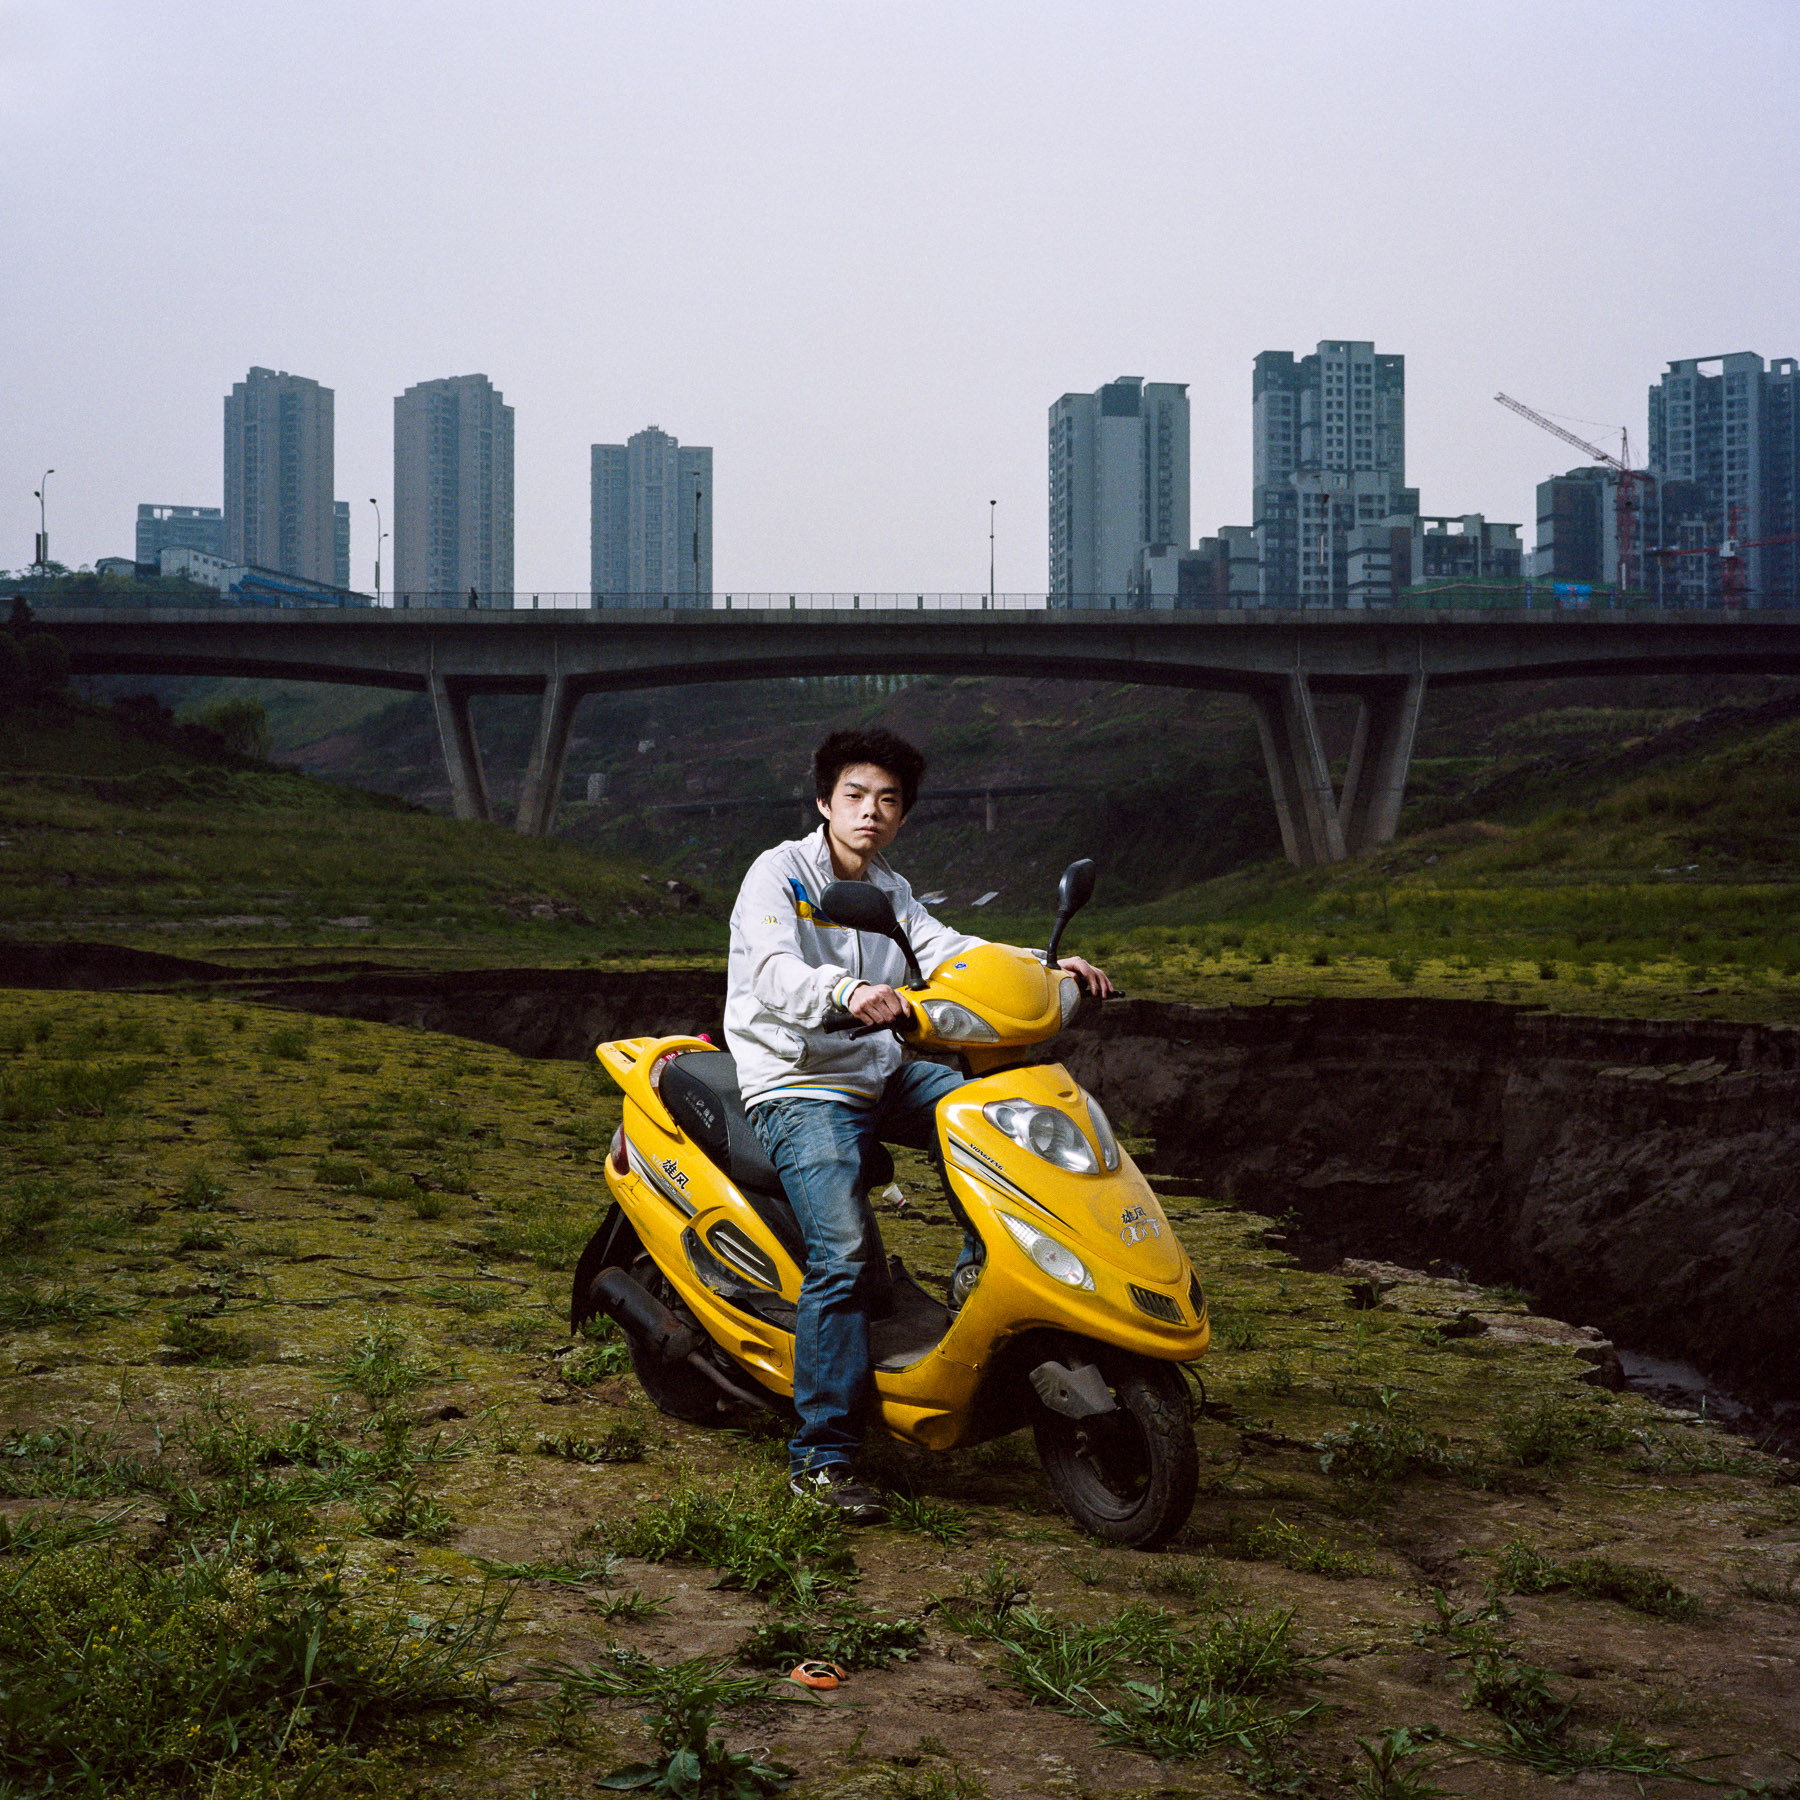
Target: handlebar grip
{"x": 839, "y": 1018}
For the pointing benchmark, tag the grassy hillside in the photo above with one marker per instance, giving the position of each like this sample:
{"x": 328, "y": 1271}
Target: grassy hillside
{"x": 1661, "y": 877}
{"x": 120, "y": 826}
{"x": 1630, "y": 847}
{"x": 1116, "y": 760}
{"x": 298, "y": 712}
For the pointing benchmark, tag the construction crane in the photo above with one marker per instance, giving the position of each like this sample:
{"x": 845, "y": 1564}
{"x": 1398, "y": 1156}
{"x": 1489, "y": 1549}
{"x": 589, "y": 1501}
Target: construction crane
{"x": 1628, "y": 481}
{"x": 1734, "y": 570}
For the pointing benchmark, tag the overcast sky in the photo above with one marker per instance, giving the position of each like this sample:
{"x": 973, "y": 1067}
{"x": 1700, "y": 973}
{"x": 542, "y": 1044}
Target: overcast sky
{"x": 860, "y": 248}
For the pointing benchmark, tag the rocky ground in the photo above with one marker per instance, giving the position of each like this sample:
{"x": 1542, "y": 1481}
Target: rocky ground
{"x": 286, "y": 1356}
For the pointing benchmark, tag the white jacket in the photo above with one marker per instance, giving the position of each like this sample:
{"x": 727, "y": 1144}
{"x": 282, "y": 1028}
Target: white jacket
{"x": 786, "y": 962}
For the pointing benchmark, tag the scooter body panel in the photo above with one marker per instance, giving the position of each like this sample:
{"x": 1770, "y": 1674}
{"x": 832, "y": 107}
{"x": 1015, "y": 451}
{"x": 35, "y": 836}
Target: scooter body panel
{"x": 678, "y": 1200}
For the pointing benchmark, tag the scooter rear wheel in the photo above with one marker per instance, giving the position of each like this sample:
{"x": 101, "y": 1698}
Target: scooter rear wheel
{"x": 674, "y": 1388}
{"x": 1128, "y": 1476}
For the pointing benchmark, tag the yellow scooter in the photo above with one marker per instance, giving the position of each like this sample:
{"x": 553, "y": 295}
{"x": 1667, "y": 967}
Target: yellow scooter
{"x": 1080, "y": 1309}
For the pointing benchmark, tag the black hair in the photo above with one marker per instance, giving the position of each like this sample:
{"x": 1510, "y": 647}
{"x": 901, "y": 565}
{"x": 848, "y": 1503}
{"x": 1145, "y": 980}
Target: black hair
{"x": 845, "y": 749}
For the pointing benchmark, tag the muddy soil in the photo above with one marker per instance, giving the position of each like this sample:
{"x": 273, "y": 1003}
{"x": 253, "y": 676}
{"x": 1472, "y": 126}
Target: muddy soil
{"x": 290, "y": 1183}
{"x": 1641, "y": 1176}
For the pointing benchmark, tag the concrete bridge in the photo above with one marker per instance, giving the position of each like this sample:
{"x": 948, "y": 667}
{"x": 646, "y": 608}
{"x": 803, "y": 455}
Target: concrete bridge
{"x": 1278, "y": 660}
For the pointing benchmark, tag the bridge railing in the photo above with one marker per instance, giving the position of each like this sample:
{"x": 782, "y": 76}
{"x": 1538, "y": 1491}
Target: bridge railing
{"x": 794, "y": 600}
{"x": 1437, "y": 596}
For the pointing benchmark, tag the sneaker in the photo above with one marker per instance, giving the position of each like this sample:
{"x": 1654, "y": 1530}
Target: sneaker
{"x": 835, "y": 1485}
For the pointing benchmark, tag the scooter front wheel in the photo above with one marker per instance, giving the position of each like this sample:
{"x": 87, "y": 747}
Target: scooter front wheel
{"x": 1130, "y": 1475}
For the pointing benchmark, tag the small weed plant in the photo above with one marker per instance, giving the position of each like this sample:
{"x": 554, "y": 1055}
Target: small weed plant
{"x": 193, "y": 1338}
{"x": 682, "y": 1704}
{"x": 1275, "y": 1540}
{"x": 626, "y": 1609}
{"x": 1386, "y": 1446}
{"x": 405, "y": 1513}
{"x": 380, "y": 1364}
{"x": 765, "y": 1541}
{"x": 950, "y": 1782}
{"x": 1523, "y": 1570}
{"x": 623, "y": 1442}
{"x": 930, "y": 1518}
{"x": 1390, "y": 1773}
{"x": 840, "y": 1635}
{"x": 1554, "y": 1430}
{"x": 1150, "y": 1689}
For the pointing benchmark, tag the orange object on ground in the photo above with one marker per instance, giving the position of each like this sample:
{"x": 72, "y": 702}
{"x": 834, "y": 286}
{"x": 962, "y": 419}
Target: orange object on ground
{"x": 821, "y": 1675}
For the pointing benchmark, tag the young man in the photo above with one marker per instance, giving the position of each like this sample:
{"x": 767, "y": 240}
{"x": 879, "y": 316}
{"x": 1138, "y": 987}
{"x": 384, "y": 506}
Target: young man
{"x": 818, "y": 1100}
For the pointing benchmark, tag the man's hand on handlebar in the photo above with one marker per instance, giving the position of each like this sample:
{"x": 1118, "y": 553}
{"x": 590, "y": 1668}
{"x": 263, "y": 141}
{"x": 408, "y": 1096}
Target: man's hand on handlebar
{"x": 877, "y": 1004}
{"x": 1094, "y": 980}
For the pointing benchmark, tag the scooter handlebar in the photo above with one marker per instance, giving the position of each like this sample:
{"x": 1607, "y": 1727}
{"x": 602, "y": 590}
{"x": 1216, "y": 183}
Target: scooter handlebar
{"x": 840, "y": 1018}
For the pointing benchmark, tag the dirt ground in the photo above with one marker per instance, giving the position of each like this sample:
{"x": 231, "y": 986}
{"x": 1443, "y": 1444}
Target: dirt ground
{"x": 219, "y": 1237}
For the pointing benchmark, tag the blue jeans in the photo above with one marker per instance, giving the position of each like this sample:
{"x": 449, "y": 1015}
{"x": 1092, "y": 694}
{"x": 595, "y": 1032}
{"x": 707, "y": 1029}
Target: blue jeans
{"x": 819, "y": 1148}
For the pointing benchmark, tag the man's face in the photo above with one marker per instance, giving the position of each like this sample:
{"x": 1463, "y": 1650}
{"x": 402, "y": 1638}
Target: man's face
{"x": 863, "y": 815}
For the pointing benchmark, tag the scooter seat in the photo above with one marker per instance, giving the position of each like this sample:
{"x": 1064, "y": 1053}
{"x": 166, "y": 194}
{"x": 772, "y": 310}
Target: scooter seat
{"x": 700, "y": 1089}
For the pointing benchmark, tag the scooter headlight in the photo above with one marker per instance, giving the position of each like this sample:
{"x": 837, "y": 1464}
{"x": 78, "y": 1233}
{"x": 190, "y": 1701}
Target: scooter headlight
{"x": 1058, "y": 1262}
{"x": 1070, "y": 997}
{"x": 1103, "y": 1133}
{"x": 957, "y": 1023}
{"x": 1044, "y": 1132}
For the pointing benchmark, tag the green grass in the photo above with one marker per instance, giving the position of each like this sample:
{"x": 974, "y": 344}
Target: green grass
{"x": 142, "y": 1675}
{"x": 1150, "y": 1689}
{"x": 129, "y": 836}
{"x": 1275, "y": 1540}
{"x": 1523, "y": 1570}
{"x": 839, "y": 1635}
{"x": 683, "y": 1700}
{"x": 624, "y": 1441}
{"x": 761, "y": 1537}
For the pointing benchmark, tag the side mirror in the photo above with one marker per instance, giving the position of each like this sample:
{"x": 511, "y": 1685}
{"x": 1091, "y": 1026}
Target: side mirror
{"x": 1072, "y": 893}
{"x": 864, "y": 907}
{"x": 861, "y": 905}
{"x": 1076, "y": 888}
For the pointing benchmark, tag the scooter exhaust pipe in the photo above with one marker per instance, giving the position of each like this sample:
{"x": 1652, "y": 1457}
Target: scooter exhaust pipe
{"x": 633, "y": 1308}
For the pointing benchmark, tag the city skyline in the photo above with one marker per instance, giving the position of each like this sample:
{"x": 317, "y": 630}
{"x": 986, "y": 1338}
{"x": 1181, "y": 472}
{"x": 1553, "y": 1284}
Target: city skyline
{"x": 877, "y": 248}
{"x": 1328, "y": 469}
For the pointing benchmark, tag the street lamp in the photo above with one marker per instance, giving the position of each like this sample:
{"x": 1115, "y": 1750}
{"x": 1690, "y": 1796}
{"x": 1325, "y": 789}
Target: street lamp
{"x": 43, "y": 536}
{"x": 991, "y": 505}
{"x": 379, "y": 535}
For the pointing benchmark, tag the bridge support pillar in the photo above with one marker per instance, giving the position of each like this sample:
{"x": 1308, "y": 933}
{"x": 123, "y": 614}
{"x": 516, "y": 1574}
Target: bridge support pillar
{"x": 549, "y": 753}
{"x": 1380, "y": 755}
{"x": 1299, "y": 776}
{"x": 462, "y": 755}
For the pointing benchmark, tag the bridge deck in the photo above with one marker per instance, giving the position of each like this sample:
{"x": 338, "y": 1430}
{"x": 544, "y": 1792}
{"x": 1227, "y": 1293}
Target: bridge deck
{"x": 1279, "y": 660}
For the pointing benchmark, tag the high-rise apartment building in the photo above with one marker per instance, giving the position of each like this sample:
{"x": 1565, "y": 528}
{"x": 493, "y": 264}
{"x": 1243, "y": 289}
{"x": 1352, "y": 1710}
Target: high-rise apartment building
{"x": 650, "y": 525}
{"x": 1118, "y": 483}
{"x": 279, "y": 475}
{"x": 453, "y": 493}
{"x": 1732, "y": 426}
{"x": 1330, "y": 456}
{"x": 161, "y": 528}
